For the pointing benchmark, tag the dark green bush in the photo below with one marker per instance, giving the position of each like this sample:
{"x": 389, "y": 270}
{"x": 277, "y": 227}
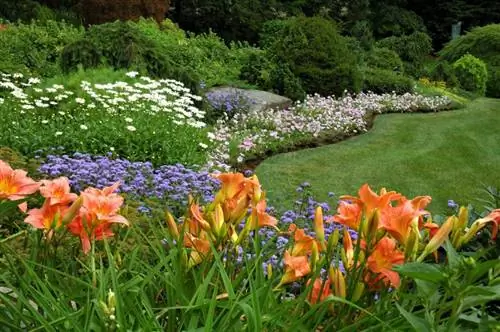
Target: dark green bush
{"x": 443, "y": 71}
{"x": 267, "y": 75}
{"x": 383, "y": 58}
{"x": 412, "y": 49}
{"x": 472, "y": 74}
{"x": 316, "y": 53}
{"x": 122, "y": 45}
{"x": 386, "y": 81}
{"x": 80, "y": 53}
{"x": 483, "y": 43}
{"x": 35, "y": 48}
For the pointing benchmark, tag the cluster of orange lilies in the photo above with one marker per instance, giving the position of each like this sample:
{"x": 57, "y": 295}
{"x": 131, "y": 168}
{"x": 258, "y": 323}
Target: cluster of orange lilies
{"x": 239, "y": 199}
{"x": 88, "y": 216}
{"x": 391, "y": 230}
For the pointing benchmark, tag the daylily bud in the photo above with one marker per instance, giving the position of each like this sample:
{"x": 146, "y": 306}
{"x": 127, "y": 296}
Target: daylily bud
{"x": 358, "y": 291}
{"x": 411, "y": 245}
{"x": 333, "y": 240}
{"x": 218, "y": 221}
{"x": 319, "y": 227}
{"x": 172, "y": 226}
{"x": 372, "y": 226}
{"x": 269, "y": 268}
{"x": 314, "y": 255}
{"x": 72, "y": 211}
{"x": 338, "y": 282}
{"x": 474, "y": 228}
{"x": 460, "y": 224}
{"x": 438, "y": 239}
{"x": 348, "y": 250}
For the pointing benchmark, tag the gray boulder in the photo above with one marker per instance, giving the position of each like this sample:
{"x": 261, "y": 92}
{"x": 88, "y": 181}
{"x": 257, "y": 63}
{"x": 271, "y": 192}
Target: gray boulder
{"x": 259, "y": 100}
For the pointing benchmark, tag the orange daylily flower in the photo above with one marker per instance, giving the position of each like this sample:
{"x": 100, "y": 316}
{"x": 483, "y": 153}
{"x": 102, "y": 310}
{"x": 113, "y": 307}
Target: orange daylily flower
{"x": 14, "y": 184}
{"x": 260, "y": 218}
{"x": 397, "y": 220}
{"x": 198, "y": 244}
{"x": 372, "y": 200}
{"x": 236, "y": 193}
{"x": 296, "y": 267}
{"x": 495, "y": 218}
{"x": 82, "y": 227}
{"x": 57, "y": 191}
{"x": 382, "y": 259}
{"x": 48, "y": 217}
{"x": 99, "y": 210}
{"x": 198, "y": 218}
{"x": 421, "y": 202}
{"x": 348, "y": 214}
{"x": 303, "y": 243}
{"x": 320, "y": 290}
{"x": 103, "y": 205}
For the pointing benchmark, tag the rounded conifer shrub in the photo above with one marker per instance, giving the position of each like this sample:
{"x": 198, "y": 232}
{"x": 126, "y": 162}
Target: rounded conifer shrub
{"x": 483, "y": 43}
{"x": 471, "y": 73}
{"x": 316, "y": 53}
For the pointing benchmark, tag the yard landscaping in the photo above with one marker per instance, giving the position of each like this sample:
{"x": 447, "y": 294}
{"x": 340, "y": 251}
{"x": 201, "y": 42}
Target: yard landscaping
{"x": 448, "y": 155}
{"x": 146, "y": 185}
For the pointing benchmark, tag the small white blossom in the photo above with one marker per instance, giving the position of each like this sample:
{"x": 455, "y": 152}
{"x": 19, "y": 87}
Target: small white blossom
{"x": 129, "y": 120}
{"x": 58, "y": 133}
{"x": 80, "y": 101}
{"x": 131, "y": 128}
{"x": 132, "y": 74}
{"x": 84, "y": 127}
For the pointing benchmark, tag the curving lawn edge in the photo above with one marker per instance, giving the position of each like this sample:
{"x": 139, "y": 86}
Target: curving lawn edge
{"x": 448, "y": 155}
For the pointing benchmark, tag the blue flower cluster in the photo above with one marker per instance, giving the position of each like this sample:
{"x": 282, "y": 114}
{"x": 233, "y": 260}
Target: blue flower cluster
{"x": 229, "y": 102}
{"x": 138, "y": 179}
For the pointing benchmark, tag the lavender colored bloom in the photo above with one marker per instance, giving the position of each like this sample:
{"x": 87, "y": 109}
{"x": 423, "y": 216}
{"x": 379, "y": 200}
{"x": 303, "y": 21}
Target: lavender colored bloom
{"x": 139, "y": 180}
{"x": 452, "y": 204}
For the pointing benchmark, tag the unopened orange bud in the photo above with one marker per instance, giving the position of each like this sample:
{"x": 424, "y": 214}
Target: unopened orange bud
{"x": 438, "y": 239}
{"x": 319, "y": 227}
{"x": 172, "y": 226}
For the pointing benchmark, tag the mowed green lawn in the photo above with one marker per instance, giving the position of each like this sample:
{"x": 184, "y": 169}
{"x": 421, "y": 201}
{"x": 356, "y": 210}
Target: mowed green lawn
{"x": 448, "y": 155}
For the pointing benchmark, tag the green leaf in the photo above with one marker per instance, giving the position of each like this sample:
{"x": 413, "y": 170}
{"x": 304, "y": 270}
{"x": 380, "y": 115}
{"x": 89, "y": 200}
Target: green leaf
{"x": 452, "y": 255}
{"x": 426, "y": 288}
{"x": 422, "y": 271}
{"x": 419, "y": 324}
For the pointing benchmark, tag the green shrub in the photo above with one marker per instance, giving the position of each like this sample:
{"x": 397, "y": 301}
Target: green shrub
{"x": 383, "y": 58}
{"x": 412, "y": 49}
{"x": 35, "y": 48}
{"x": 386, "y": 81}
{"x": 206, "y": 54}
{"x": 483, "y": 43}
{"x": 472, "y": 74}
{"x": 80, "y": 53}
{"x": 316, "y": 53}
{"x": 443, "y": 72}
{"x": 259, "y": 70}
{"x": 122, "y": 45}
